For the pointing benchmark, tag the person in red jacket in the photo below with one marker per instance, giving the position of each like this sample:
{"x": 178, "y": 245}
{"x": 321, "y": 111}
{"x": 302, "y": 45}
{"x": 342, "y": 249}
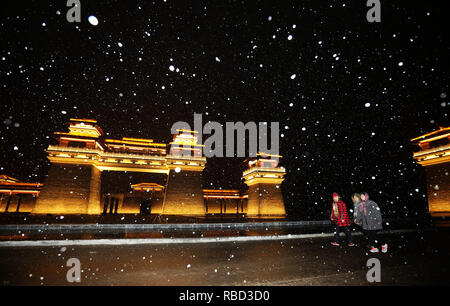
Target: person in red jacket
{"x": 341, "y": 220}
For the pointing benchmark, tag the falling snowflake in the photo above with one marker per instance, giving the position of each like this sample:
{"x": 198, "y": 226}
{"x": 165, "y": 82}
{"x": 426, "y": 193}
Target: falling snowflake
{"x": 94, "y": 21}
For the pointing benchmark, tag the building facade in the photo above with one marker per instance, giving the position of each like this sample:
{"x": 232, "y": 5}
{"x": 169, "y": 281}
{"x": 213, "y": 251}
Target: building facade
{"x": 92, "y": 174}
{"x": 433, "y": 153}
{"x": 17, "y": 196}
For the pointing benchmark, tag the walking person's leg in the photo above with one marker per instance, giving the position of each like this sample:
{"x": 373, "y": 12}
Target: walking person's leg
{"x": 348, "y": 234}
{"x": 336, "y": 235}
{"x": 366, "y": 238}
{"x": 375, "y": 238}
{"x": 380, "y": 241}
{"x": 372, "y": 237}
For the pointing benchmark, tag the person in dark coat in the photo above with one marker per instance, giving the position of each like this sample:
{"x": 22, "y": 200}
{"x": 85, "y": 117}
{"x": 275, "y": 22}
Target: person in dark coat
{"x": 369, "y": 218}
{"x": 341, "y": 220}
{"x": 356, "y": 198}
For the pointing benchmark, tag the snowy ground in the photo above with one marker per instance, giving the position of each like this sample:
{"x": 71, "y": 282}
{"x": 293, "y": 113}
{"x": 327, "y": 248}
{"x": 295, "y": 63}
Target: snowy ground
{"x": 413, "y": 258}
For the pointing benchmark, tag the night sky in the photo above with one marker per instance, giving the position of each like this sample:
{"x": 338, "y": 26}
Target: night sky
{"x": 349, "y": 95}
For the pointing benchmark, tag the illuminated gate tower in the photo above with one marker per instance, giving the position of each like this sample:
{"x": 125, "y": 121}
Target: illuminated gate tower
{"x": 263, "y": 178}
{"x": 184, "y": 194}
{"x": 73, "y": 182}
{"x": 434, "y": 154}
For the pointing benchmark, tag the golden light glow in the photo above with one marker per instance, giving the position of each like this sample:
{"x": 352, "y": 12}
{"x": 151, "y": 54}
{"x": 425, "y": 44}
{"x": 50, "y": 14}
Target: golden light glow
{"x": 264, "y": 180}
{"x": 7, "y": 179}
{"x": 259, "y": 170}
{"x": 221, "y": 190}
{"x": 126, "y": 161}
{"x": 185, "y": 141}
{"x": 147, "y": 187}
{"x": 19, "y": 191}
{"x": 441, "y": 129}
{"x": 268, "y": 155}
{"x": 10, "y": 185}
{"x": 140, "y": 143}
{"x": 252, "y": 162}
{"x": 76, "y": 139}
{"x": 83, "y": 127}
{"x": 187, "y": 131}
{"x": 138, "y": 139}
{"x": 222, "y": 194}
{"x": 435, "y": 138}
